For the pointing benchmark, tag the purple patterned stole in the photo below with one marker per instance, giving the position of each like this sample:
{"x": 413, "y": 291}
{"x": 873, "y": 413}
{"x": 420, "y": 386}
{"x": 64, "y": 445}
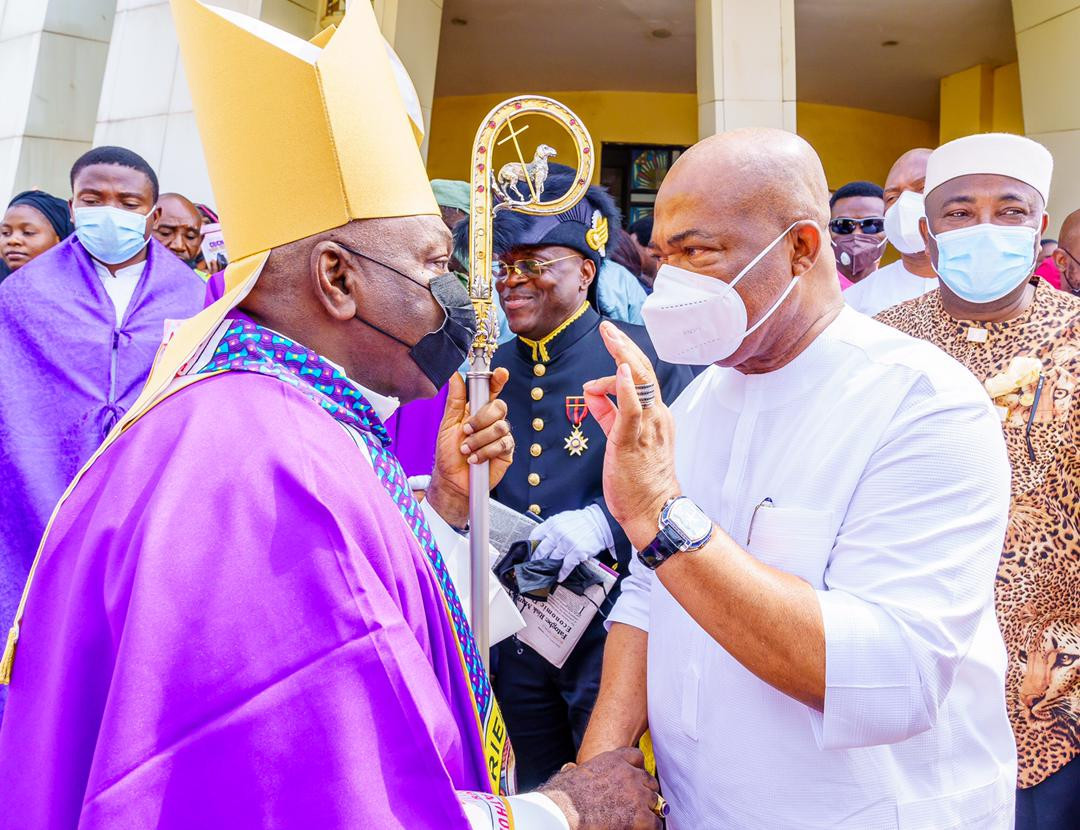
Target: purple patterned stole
{"x": 247, "y": 346}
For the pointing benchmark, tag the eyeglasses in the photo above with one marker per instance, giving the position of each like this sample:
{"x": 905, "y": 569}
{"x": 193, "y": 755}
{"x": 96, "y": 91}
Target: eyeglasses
{"x": 528, "y": 268}
{"x": 1068, "y": 254}
{"x": 845, "y": 225}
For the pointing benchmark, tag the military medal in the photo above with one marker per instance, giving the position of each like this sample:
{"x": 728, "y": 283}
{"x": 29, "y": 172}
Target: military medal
{"x": 576, "y": 442}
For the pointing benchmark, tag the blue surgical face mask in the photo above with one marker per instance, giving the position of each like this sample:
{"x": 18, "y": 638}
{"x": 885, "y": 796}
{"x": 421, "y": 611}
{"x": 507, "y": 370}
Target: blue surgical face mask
{"x": 983, "y": 263}
{"x": 110, "y": 235}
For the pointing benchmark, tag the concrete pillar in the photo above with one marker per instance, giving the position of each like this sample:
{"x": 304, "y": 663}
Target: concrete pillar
{"x": 1008, "y": 103}
{"x": 967, "y": 102}
{"x": 1047, "y": 32}
{"x": 52, "y": 59}
{"x": 412, "y": 28}
{"x": 980, "y": 99}
{"x": 145, "y": 104}
{"x": 745, "y": 64}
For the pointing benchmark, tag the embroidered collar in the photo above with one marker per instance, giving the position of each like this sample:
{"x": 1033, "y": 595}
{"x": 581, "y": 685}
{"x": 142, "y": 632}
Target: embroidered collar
{"x": 247, "y": 346}
{"x": 965, "y": 328}
{"x": 567, "y": 333}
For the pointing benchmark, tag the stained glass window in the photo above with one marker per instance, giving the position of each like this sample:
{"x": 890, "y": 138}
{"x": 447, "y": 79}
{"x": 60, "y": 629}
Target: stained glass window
{"x": 650, "y": 167}
{"x": 633, "y": 175}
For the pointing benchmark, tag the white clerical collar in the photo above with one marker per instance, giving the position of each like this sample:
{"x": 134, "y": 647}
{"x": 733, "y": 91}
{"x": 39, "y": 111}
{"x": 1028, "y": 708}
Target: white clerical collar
{"x": 384, "y": 405}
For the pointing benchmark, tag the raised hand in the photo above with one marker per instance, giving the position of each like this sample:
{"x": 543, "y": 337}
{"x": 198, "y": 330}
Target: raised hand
{"x": 639, "y": 461}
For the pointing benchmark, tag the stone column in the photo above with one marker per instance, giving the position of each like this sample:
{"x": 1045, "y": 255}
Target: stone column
{"x": 1047, "y": 32}
{"x": 52, "y": 59}
{"x": 745, "y": 64}
{"x": 145, "y": 104}
{"x": 967, "y": 103}
{"x": 412, "y": 28}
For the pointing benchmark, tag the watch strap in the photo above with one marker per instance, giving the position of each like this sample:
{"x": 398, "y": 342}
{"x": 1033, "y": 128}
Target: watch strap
{"x": 667, "y": 543}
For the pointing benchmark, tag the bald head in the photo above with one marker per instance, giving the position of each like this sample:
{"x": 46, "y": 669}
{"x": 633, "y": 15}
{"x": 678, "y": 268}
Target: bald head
{"x": 1070, "y": 232}
{"x": 1067, "y": 255}
{"x": 907, "y": 173}
{"x": 178, "y": 202}
{"x": 730, "y": 197}
{"x": 764, "y": 173}
{"x": 179, "y": 226}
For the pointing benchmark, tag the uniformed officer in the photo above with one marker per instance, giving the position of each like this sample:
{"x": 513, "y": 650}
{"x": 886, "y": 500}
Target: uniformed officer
{"x": 547, "y": 287}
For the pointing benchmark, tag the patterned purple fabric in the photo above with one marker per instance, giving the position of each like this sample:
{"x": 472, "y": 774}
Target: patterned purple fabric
{"x": 249, "y": 347}
{"x": 231, "y": 626}
{"x": 68, "y": 373}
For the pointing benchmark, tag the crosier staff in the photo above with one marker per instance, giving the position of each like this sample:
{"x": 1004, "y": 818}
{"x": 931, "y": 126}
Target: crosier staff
{"x": 484, "y": 188}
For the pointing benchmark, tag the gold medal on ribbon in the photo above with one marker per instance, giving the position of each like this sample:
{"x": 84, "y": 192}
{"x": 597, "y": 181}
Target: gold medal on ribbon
{"x": 576, "y": 442}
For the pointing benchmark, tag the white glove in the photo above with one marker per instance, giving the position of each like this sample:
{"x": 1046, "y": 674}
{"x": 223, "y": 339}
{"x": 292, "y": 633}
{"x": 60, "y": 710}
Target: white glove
{"x": 573, "y": 536}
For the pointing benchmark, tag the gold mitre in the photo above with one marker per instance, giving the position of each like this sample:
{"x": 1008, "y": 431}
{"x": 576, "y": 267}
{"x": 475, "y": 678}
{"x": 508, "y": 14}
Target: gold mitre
{"x": 299, "y": 137}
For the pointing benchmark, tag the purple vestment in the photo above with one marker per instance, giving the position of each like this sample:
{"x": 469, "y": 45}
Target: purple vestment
{"x": 233, "y": 626}
{"x": 414, "y": 429}
{"x": 68, "y": 372}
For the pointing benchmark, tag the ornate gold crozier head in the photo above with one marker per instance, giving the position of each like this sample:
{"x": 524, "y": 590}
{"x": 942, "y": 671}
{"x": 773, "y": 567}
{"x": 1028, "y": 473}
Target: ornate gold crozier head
{"x": 505, "y": 176}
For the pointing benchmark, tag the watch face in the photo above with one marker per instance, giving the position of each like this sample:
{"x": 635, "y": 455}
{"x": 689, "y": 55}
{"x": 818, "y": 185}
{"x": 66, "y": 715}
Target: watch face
{"x": 689, "y": 519}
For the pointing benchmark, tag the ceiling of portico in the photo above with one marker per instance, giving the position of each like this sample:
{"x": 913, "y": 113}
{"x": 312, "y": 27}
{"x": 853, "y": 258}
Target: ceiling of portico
{"x": 648, "y": 45}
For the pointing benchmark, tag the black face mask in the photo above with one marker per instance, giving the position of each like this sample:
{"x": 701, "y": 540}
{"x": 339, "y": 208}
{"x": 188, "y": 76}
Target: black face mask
{"x": 439, "y": 353}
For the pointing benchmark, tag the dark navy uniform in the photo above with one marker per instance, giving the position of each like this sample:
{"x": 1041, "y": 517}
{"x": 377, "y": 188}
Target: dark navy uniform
{"x": 547, "y": 709}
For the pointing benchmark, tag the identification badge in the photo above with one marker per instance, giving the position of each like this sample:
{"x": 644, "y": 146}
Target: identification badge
{"x": 975, "y": 335}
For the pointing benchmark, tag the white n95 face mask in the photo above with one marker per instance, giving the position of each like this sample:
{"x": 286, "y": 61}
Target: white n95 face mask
{"x": 698, "y": 320}
{"x": 902, "y": 223}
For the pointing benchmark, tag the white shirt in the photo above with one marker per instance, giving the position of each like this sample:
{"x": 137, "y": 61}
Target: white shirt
{"x": 120, "y": 286}
{"x": 886, "y": 287}
{"x": 889, "y": 483}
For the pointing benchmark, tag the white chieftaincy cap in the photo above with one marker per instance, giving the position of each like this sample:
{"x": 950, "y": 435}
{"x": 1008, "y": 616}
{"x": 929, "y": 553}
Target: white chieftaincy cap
{"x": 999, "y": 154}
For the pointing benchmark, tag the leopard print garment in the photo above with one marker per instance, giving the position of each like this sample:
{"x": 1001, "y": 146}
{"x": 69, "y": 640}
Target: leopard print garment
{"x": 1038, "y": 581}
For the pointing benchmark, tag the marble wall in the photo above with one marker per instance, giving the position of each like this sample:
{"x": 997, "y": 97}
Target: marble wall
{"x": 52, "y": 60}
{"x": 745, "y": 64}
{"x": 145, "y": 103}
{"x": 1047, "y": 32}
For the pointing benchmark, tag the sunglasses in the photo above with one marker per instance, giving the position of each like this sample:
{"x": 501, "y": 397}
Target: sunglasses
{"x": 871, "y": 224}
{"x": 528, "y": 268}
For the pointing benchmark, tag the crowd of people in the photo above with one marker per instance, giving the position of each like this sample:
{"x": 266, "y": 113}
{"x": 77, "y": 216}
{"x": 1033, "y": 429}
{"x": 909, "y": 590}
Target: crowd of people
{"x": 837, "y": 502}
